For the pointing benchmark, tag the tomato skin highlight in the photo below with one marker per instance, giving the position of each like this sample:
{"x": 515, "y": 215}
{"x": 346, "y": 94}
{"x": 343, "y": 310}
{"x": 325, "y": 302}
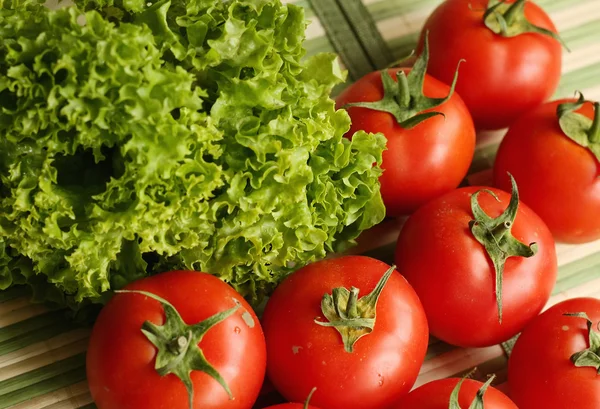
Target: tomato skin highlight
{"x": 502, "y": 77}
{"x": 420, "y": 163}
{"x": 436, "y": 395}
{"x": 558, "y": 179}
{"x": 455, "y": 278}
{"x": 120, "y": 359}
{"x": 302, "y": 354}
{"x": 540, "y": 372}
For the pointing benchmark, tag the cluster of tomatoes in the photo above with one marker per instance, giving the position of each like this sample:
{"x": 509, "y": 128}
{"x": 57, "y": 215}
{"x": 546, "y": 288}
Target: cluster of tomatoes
{"x": 475, "y": 266}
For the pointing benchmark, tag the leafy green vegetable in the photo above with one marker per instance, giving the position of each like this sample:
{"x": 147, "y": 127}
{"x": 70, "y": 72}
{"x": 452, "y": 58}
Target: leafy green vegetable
{"x": 172, "y": 134}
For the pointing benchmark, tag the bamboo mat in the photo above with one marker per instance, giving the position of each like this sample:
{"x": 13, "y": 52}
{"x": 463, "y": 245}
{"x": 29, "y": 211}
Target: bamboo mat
{"x": 42, "y": 354}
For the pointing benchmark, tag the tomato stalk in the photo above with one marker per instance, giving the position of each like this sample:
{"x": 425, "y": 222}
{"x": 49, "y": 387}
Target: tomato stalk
{"x": 309, "y": 397}
{"x": 178, "y": 352}
{"x": 595, "y": 129}
{"x": 496, "y": 236}
{"x": 477, "y": 402}
{"x": 509, "y": 20}
{"x": 404, "y": 98}
{"x": 579, "y": 128}
{"x": 352, "y": 317}
{"x": 589, "y": 357}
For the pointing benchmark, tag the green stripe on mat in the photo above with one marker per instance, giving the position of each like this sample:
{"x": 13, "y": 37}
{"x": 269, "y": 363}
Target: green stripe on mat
{"x": 342, "y": 37}
{"x": 577, "y": 273}
{"x": 367, "y": 33}
{"x": 30, "y": 325}
{"x": 582, "y": 35}
{"x": 35, "y": 336}
{"x": 42, "y": 380}
{"x": 552, "y": 6}
{"x": 383, "y": 10}
{"x": 586, "y": 77}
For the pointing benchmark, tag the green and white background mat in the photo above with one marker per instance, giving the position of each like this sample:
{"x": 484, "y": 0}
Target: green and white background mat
{"x": 42, "y": 354}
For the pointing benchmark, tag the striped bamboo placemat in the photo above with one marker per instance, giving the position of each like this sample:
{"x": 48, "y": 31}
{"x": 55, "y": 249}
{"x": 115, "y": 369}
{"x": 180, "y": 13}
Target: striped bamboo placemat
{"x": 42, "y": 354}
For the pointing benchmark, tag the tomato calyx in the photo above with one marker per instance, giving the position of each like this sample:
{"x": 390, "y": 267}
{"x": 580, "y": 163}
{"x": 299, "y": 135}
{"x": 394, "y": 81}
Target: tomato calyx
{"x": 495, "y": 235}
{"x": 591, "y": 356}
{"x": 177, "y": 344}
{"x": 351, "y": 316}
{"x": 404, "y": 98}
{"x": 579, "y": 128}
{"x": 477, "y": 402}
{"x": 509, "y": 20}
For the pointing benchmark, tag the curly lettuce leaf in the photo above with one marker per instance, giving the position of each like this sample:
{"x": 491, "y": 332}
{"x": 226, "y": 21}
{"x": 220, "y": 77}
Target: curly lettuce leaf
{"x": 172, "y": 134}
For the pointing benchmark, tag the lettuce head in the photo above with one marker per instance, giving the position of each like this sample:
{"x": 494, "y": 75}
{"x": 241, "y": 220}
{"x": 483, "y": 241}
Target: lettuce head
{"x": 143, "y": 136}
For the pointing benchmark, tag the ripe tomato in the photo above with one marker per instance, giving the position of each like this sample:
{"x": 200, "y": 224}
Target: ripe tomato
{"x": 421, "y": 162}
{"x": 121, "y": 358}
{"x": 540, "y": 371}
{"x": 437, "y": 395}
{"x": 455, "y": 278}
{"x": 558, "y": 178}
{"x": 303, "y": 353}
{"x": 502, "y": 77}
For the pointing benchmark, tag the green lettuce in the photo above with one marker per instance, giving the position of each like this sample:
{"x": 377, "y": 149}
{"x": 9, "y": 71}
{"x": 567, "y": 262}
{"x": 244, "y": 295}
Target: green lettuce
{"x": 172, "y": 135}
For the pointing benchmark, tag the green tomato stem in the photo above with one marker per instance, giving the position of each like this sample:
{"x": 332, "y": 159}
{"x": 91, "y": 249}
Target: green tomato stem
{"x": 351, "y": 316}
{"x": 404, "y": 98}
{"x": 352, "y": 309}
{"x": 595, "y": 129}
{"x": 514, "y": 11}
{"x": 588, "y": 358}
{"x": 496, "y": 237}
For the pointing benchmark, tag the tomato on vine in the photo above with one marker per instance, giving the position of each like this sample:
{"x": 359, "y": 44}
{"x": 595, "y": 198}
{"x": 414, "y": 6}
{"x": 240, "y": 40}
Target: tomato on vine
{"x": 482, "y": 263}
{"x": 352, "y": 327}
{"x": 554, "y": 152}
{"x": 512, "y": 53}
{"x": 555, "y": 363}
{"x": 429, "y": 131}
{"x": 182, "y": 340}
{"x": 454, "y": 393}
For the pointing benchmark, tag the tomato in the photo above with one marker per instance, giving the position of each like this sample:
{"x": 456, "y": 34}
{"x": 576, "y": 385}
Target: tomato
{"x": 540, "y": 371}
{"x": 304, "y": 353}
{"x": 455, "y": 277}
{"x": 502, "y": 77}
{"x": 121, "y": 359}
{"x": 437, "y": 395}
{"x": 558, "y": 178}
{"x": 421, "y": 162}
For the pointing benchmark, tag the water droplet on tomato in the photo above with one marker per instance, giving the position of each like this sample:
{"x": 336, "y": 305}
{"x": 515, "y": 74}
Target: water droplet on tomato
{"x": 381, "y": 380}
{"x": 237, "y": 330}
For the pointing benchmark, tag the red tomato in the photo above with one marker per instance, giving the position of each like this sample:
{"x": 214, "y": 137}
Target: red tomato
{"x": 121, "y": 359}
{"x": 436, "y": 395}
{"x": 558, "y": 178}
{"x": 420, "y": 163}
{"x": 540, "y": 371}
{"x": 384, "y": 364}
{"x": 503, "y": 77}
{"x": 455, "y": 278}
